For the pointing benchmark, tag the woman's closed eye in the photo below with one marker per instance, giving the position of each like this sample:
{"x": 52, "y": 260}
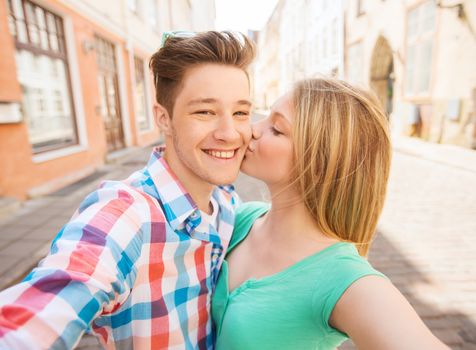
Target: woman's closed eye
{"x": 275, "y": 131}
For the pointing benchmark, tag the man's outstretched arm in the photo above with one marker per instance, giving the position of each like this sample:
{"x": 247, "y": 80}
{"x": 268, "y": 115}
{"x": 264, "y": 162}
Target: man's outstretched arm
{"x": 89, "y": 271}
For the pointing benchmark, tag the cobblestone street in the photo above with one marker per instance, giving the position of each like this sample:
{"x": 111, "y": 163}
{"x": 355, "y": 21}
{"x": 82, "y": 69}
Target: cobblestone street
{"x": 427, "y": 245}
{"x": 426, "y": 242}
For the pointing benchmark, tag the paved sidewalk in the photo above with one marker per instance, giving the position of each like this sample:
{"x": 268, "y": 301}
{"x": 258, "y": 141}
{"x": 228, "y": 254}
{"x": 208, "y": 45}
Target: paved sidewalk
{"x": 426, "y": 242}
{"x": 26, "y": 234}
{"x": 450, "y": 155}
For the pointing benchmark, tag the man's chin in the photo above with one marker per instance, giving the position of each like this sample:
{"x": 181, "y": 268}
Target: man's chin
{"x": 222, "y": 180}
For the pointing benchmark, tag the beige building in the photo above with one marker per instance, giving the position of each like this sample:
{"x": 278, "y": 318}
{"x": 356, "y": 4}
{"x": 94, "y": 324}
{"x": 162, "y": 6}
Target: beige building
{"x": 419, "y": 56}
{"x": 267, "y": 65}
{"x": 302, "y": 38}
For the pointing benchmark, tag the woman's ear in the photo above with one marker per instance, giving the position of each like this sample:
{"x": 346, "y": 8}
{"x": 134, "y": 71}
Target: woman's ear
{"x": 162, "y": 119}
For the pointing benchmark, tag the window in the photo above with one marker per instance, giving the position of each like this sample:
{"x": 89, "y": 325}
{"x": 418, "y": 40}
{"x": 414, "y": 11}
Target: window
{"x": 355, "y": 63}
{"x": 140, "y": 98}
{"x": 42, "y": 70}
{"x": 420, "y": 36}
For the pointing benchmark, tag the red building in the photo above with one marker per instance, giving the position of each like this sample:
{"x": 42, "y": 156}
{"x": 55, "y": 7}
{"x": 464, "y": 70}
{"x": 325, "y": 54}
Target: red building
{"x": 74, "y": 87}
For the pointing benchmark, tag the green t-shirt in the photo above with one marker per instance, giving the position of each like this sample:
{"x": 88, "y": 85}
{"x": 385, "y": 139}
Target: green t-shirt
{"x": 289, "y": 309}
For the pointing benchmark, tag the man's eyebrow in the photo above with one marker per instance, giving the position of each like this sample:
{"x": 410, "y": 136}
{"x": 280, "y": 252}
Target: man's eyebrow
{"x": 245, "y": 102}
{"x": 214, "y": 100}
{"x": 201, "y": 100}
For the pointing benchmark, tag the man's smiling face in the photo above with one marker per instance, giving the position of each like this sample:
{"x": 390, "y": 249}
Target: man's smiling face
{"x": 210, "y": 126}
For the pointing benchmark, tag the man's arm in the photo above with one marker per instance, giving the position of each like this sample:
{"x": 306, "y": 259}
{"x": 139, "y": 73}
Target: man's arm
{"x": 375, "y": 315}
{"x": 88, "y": 271}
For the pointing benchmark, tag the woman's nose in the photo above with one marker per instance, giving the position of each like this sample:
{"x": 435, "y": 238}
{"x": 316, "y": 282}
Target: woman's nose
{"x": 256, "y": 131}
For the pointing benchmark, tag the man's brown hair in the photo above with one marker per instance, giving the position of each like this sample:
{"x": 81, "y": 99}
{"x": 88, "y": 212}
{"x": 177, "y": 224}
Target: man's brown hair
{"x": 178, "y": 54}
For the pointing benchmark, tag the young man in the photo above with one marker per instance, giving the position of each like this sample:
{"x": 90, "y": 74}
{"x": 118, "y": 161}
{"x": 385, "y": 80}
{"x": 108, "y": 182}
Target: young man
{"x": 138, "y": 262}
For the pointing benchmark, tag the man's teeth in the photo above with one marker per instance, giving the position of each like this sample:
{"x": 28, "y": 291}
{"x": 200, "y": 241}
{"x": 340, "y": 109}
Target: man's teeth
{"x": 222, "y": 154}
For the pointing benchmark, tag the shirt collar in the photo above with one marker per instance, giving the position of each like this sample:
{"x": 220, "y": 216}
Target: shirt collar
{"x": 176, "y": 202}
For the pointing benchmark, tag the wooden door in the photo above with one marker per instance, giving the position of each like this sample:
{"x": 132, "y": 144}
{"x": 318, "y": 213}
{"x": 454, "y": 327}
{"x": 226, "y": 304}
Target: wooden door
{"x": 109, "y": 94}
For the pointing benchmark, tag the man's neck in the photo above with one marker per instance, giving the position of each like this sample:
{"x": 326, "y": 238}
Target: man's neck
{"x": 199, "y": 190}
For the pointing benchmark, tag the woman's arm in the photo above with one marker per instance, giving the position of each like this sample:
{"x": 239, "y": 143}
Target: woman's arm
{"x": 375, "y": 315}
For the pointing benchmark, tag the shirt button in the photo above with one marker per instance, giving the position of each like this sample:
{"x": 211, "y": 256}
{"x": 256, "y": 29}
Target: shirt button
{"x": 194, "y": 215}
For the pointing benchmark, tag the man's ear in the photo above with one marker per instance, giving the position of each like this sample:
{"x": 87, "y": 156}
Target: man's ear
{"x": 162, "y": 119}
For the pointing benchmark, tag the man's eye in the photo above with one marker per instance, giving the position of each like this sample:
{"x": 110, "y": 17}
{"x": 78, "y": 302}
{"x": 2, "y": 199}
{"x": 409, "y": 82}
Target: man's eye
{"x": 242, "y": 113}
{"x": 204, "y": 112}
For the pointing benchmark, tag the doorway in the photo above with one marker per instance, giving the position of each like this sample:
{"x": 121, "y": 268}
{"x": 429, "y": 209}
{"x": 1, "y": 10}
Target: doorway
{"x": 382, "y": 76}
{"x": 109, "y": 94}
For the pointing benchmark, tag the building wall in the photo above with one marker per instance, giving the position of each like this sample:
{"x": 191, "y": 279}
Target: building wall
{"x": 23, "y": 172}
{"x": 455, "y": 76}
{"x": 133, "y": 34}
{"x": 382, "y": 32}
{"x": 267, "y": 68}
{"x": 7, "y": 61}
{"x": 301, "y": 39}
{"x": 203, "y": 14}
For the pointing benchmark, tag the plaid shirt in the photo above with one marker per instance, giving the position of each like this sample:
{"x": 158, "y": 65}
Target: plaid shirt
{"x": 136, "y": 265}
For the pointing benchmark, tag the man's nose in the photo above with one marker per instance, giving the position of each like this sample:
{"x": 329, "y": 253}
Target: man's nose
{"x": 227, "y": 129}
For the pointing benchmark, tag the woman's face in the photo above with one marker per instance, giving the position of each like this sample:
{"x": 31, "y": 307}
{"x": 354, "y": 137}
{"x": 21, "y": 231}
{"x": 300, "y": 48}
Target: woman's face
{"x": 270, "y": 153}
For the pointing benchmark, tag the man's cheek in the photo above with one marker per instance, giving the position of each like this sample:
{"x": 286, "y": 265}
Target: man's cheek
{"x": 246, "y": 132}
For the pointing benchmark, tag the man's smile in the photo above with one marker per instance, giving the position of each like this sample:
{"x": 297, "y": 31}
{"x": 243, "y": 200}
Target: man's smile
{"x": 221, "y": 154}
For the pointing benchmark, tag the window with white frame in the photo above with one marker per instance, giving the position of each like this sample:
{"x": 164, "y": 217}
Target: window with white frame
{"x": 355, "y": 63}
{"x": 140, "y": 97}
{"x": 421, "y": 26}
{"x": 42, "y": 70}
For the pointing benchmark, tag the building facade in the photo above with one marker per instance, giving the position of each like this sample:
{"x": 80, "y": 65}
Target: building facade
{"x": 75, "y": 87}
{"x": 302, "y": 38}
{"x": 266, "y": 68}
{"x": 419, "y": 57}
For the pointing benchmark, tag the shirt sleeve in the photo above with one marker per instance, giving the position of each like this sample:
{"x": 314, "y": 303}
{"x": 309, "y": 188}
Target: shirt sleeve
{"x": 89, "y": 270}
{"x": 336, "y": 278}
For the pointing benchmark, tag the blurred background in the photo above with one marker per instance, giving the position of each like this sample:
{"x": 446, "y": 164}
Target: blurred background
{"x": 76, "y": 103}
{"x": 75, "y": 89}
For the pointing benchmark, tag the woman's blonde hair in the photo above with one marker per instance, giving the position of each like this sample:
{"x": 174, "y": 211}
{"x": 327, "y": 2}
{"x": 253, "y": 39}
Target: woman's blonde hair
{"x": 342, "y": 155}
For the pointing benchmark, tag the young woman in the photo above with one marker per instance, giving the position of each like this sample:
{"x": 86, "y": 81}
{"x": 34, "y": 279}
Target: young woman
{"x": 296, "y": 276}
